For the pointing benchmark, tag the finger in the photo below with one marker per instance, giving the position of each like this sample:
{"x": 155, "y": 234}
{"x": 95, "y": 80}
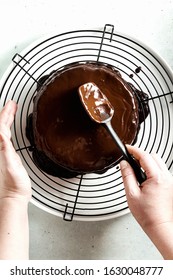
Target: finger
{"x": 146, "y": 161}
{"x": 5, "y": 143}
{"x": 7, "y": 114}
{"x": 7, "y": 117}
{"x": 129, "y": 179}
{"x": 8, "y": 154}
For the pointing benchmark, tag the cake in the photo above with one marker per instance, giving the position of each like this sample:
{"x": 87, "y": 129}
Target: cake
{"x": 65, "y": 141}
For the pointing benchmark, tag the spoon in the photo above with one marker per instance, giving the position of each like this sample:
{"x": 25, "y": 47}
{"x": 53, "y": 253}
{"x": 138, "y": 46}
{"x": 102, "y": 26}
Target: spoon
{"x": 101, "y": 111}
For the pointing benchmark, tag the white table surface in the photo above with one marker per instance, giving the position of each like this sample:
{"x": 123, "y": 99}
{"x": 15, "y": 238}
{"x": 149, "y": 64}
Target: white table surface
{"x": 22, "y": 22}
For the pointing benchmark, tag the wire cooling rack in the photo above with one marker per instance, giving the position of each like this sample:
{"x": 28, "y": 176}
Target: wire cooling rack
{"x": 89, "y": 197}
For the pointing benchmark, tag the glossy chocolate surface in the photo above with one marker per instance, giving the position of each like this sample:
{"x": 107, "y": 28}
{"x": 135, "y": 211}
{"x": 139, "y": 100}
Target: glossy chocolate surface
{"x": 63, "y": 133}
{"x": 95, "y": 103}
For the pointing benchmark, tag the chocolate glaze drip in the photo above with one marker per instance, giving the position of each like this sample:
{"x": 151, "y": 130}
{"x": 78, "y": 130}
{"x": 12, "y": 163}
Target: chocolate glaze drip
{"x": 138, "y": 69}
{"x": 143, "y": 106}
{"x": 65, "y": 141}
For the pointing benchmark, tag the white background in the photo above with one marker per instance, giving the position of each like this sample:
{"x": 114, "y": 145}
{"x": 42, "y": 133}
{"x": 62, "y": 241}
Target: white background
{"x": 22, "y": 22}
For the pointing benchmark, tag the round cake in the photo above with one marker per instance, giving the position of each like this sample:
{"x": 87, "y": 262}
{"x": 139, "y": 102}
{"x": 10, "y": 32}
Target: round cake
{"x": 65, "y": 141}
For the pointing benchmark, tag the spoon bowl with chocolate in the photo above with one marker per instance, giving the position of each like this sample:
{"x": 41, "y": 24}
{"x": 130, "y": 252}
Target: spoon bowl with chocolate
{"x": 100, "y": 110}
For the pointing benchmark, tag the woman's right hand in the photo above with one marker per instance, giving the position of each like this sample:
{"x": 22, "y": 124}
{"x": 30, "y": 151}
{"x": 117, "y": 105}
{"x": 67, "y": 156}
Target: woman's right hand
{"x": 152, "y": 202}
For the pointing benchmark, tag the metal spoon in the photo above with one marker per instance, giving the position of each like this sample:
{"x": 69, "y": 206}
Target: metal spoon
{"x": 101, "y": 111}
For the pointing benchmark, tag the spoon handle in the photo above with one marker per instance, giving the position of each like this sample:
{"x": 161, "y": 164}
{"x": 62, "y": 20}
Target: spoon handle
{"x": 139, "y": 173}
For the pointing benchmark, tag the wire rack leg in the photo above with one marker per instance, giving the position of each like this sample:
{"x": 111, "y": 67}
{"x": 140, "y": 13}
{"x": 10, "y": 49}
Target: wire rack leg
{"x": 69, "y": 216}
{"x": 103, "y": 37}
{"x": 22, "y": 67}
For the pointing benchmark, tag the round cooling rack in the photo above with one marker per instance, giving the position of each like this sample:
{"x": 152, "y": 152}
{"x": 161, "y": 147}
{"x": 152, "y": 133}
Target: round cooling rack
{"x": 90, "y": 197}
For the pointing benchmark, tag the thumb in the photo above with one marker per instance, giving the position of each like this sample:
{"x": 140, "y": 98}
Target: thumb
{"x": 5, "y": 143}
{"x": 2, "y": 142}
{"x": 129, "y": 179}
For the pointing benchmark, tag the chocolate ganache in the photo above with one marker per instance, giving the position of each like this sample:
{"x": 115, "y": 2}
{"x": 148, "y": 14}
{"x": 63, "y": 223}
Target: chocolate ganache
{"x": 65, "y": 141}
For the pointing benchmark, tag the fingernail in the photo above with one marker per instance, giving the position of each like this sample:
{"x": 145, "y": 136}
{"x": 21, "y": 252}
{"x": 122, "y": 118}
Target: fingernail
{"x": 123, "y": 164}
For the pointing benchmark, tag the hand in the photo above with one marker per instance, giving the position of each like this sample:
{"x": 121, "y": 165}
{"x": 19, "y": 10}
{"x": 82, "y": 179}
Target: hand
{"x": 152, "y": 202}
{"x": 14, "y": 180}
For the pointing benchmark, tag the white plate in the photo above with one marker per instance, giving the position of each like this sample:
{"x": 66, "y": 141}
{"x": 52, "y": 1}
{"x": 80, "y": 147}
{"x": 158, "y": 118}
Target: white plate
{"x": 91, "y": 197}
